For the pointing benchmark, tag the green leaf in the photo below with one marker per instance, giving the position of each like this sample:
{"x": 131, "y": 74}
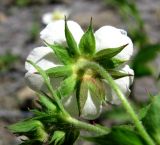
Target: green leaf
{"x": 72, "y": 45}
{"x": 87, "y": 42}
{"x": 71, "y": 136}
{"x": 118, "y": 136}
{"x": 31, "y": 128}
{"x": 108, "y": 53}
{"x": 145, "y": 55}
{"x": 118, "y": 74}
{"x": 61, "y": 52}
{"x": 152, "y": 119}
{"x": 25, "y": 126}
{"x": 68, "y": 86}
{"x": 58, "y": 138}
{"x": 59, "y": 71}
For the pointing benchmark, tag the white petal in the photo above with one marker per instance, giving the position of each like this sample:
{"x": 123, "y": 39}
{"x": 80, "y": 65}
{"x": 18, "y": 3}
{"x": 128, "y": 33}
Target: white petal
{"x": 123, "y": 83}
{"x": 92, "y": 108}
{"x": 70, "y": 104}
{"x": 43, "y": 57}
{"x": 47, "y": 18}
{"x": 54, "y": 32}
{"x": 35, "y": 82}
{"x": 111, "y": 37}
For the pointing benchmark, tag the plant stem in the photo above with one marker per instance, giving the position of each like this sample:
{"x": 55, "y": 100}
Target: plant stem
{"x": 123, "y": 99}
{"x": 88, "y": 127}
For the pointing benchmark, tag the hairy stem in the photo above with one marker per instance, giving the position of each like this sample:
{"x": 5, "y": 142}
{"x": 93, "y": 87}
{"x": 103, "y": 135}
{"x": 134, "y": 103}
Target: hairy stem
{"x": 123, "y": 99}
{"x": 85, "y": 126}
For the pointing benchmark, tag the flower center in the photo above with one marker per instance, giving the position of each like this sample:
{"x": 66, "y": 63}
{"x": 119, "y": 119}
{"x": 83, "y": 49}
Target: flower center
{"x": 79, "y": 70}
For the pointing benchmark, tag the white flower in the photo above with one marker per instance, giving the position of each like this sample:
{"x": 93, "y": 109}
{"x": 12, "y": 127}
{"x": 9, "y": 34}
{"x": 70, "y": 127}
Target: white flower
{"x": 106, "y": 37}
{"x": 55, "y": 15}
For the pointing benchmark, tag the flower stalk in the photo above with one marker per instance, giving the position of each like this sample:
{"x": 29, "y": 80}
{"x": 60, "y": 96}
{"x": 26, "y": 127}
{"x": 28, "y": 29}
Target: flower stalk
{"x": 123, "y": 99}
{"x": 86, "y": 126}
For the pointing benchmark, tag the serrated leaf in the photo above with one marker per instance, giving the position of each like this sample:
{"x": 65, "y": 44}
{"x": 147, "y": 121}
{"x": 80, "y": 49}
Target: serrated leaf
{"x": 68, "y": 86}
{"x": 152, "y": 119}
{"x": 87, "y": 42}
{"x": 59, "y": 71}
{"x": 61, "y": 52}
{"x": 72, "y": 45}
{"x": 25, "y": 126}
{"x": 58, "y": 138}
{"x": 31, "y": 128}
{"x": 118, "y": 74}
{"x": 108, "y": 53}
{"x": 118, "y": 136}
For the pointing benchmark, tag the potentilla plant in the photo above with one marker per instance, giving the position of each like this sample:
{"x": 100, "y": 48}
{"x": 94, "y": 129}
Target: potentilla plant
{"x": 74, "y": 75}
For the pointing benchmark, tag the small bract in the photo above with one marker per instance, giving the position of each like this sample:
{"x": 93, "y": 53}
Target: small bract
{"x": 68, "y": 47}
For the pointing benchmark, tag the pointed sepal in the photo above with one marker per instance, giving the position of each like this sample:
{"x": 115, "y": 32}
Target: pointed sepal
{"x": 87, "y": 42}
{"x": 72, "y": 45}
{"x": 108, "y": 53}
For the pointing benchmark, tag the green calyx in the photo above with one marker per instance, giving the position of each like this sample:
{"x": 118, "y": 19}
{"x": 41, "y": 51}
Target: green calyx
{"x": 74, "y": 57}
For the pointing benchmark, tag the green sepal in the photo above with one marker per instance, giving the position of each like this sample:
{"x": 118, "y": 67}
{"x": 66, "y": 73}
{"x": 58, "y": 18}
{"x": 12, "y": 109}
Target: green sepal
{"x": 118, "y": 74}
{"x": 57, "y": 138}
{"x": 72, "y": 45}
{"x": 151, "y": 121}
{"x": 59, "y": 71}
{"x": 67, "y": 86}
{"x": 61, "y": 53}
{"x": 81, "y": 94}
{"x": 97, "y": 89}
{"x": 87, "y": 43}
{"x": 30, "y": 128}
{"x": 89, "y": 85}
{"x": 118, "y": 136}
{"x": 111, "y": 63}
{"x": 108, "y": 53}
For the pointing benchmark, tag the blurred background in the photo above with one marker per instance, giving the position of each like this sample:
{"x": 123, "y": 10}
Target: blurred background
{"x": 21, "y": 22}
